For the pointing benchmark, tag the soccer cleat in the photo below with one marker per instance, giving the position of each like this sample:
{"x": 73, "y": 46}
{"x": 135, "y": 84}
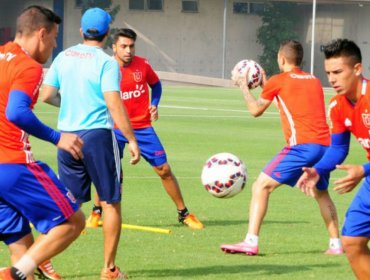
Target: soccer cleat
{"x": 47, "y": 271}
{"x": 191, "y": 221}
{"x": 241, "y": 247}
{"x": 334, "y": 251}
{"x": 108, "y": 274}
{"x": 5, "y": 274}
{"x": 93, "y": 220}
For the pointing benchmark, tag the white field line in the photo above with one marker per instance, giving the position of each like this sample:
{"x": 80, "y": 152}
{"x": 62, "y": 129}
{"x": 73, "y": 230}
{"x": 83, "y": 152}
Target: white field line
{"x": 275, "y": 114}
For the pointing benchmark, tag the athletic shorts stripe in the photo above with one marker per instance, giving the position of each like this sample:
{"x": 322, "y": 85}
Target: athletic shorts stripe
{"x": 117, "y": 157}
{"x": 275, "y": 162}
{"x": 51, "y": 189}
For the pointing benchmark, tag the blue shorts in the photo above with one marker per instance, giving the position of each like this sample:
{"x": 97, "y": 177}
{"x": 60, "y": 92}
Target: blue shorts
{"x": 286, "y": 166}
{"x": 150, "y": 146}
{"x": 15, "y": 227}
{"x": 357, "y": 219}
{"x": 31, "y": 192}
{"x": 100, "y": 166}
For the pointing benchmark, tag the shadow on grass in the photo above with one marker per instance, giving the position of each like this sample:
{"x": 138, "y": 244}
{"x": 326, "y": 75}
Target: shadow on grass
{"x": 252, "y": 269}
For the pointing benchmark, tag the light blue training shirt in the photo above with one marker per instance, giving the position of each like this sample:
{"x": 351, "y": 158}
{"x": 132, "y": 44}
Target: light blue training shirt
{"x": 82, "y": 74}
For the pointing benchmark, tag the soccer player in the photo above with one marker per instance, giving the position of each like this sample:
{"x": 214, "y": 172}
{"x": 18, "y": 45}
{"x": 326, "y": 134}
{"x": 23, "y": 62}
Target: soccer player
{"x": 137, "y": 74}
{"x": 300, "y": 99}
{"x": 29, "y": 190}
{"x": 84, "y": 81}
{"x": 349, "y": 113}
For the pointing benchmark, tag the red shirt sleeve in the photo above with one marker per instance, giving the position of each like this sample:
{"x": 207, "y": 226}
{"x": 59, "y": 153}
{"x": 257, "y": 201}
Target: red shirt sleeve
{"x": 272, "y": 88}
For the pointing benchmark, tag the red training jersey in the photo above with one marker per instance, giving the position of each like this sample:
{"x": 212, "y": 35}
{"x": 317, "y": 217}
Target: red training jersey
{"x": 300, "y": 99}
{"x": 345, "y": 116}
{"x": 18, "y": 71}
{"x": 135, "y": 91}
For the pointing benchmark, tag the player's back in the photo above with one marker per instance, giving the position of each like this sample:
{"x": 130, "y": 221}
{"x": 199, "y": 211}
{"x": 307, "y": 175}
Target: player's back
{"x": 20, "y": 72}
{"x": 302, "y": 107}
{"x": 83, "y": 73}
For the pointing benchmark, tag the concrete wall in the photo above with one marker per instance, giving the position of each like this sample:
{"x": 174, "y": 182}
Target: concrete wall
{"x": 192, "y": 43}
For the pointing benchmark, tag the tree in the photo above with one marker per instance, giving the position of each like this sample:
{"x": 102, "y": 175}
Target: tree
{"x": 279, "y": 23}
{"x": 105, "y": 5}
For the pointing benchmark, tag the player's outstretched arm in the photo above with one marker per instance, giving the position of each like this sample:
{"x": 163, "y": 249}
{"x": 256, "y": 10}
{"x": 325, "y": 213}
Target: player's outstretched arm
{"x": 308, "y": 180}
{"x": 121, "y": 119}
{"x": 50, "y": 95}
{"x": 355, "y": 173}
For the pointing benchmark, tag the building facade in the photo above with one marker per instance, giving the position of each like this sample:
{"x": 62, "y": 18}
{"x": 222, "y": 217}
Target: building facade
{"x": 207, "y": 37}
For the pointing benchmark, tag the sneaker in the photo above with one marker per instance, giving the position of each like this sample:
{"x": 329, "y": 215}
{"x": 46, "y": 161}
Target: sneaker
{"x": 334, "y": 251}
{"x": 241, "y": 247}
{"x": 191, "y": 221}
{"x": 93, "y": 220}
{"x": 107, "y": 274}
{"x": 47, "y": 271}
{"x": 5, "y": 274}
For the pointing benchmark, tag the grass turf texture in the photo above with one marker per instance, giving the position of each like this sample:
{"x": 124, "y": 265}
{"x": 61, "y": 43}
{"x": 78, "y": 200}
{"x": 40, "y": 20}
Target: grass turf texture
{"x": 195, "y": 123}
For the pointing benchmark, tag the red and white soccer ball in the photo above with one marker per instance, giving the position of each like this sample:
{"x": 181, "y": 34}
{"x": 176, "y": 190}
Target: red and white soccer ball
{"x": 254, "y": 78}
{"x": 224, "y": 175}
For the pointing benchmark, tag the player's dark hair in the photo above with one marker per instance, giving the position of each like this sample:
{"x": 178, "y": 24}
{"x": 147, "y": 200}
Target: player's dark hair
{"x": 343, "y": 47}
{"x": 124, "y": 32}
{"x": 99, "y": 38}
{"x": 35, "y": 17}
{"x": 293, "y": 51}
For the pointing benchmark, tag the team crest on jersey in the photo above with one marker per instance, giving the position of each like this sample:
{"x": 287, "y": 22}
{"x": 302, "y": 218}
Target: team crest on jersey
{"x": 366, "y": 120}
{"x": 138, "y": 76}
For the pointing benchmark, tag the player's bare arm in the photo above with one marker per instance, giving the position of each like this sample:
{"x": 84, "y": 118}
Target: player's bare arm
{"x": 121, "y": 119}
{"x": 50, "y": 95}
{"x": 153, "y": 110}
{"x": 355, "y": 173}
{"x": 255, "y": 106}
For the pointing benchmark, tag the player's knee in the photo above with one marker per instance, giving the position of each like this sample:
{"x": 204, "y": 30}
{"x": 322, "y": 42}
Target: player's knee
{"x": 77, "y": 222}
{"x": 164, "y": 171}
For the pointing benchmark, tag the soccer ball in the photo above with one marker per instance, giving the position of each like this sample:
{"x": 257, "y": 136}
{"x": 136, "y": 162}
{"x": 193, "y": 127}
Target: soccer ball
{"x": 254, "y": 78}
{"x": 224, "y": 175}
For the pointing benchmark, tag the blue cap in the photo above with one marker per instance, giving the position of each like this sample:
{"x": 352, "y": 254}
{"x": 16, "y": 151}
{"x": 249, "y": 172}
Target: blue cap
{"x": 95, "y": 19}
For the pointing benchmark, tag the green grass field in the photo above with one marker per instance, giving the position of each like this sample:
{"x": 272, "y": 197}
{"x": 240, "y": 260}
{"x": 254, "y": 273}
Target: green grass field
{"x": 194, "y": 124}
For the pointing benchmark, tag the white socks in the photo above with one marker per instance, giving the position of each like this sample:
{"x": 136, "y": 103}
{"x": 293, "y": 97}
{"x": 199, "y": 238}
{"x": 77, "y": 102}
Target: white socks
{"x": 251, "y": 239}
{"x": 335, "y": 243}
{"x": 26, "y": 265}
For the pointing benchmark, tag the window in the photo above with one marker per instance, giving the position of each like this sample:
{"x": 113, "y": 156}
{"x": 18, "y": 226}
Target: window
{"x": 152, "y": 5}
{"x": 155, "y": 5}
{"x": 189, "y": 6}
{"x": 78, "y": 4}
{"x": 248, "y": 7}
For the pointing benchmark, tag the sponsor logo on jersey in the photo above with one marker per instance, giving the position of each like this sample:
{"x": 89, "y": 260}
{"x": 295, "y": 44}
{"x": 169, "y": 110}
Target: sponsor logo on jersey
{"x": 138, "y": 76}
{"x": 125, "y": 95}
{"x": 365, "y": 142}
{"x": 7, "y": 56}
{"x": 366, "y": 119}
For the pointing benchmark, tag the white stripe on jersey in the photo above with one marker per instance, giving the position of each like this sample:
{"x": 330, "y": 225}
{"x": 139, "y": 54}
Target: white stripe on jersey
{"x": 293, "y": 137}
